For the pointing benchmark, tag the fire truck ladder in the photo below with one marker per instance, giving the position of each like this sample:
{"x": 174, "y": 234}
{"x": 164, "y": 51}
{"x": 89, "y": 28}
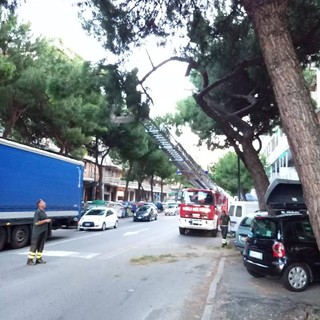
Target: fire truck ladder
{"x": 179, "y": 156}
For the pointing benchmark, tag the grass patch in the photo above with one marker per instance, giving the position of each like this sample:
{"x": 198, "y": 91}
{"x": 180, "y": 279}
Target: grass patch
{"x": 147, "y": 259}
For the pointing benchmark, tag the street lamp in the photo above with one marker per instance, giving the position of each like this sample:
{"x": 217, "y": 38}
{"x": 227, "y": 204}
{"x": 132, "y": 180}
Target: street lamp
{"x": 239, "y": 183}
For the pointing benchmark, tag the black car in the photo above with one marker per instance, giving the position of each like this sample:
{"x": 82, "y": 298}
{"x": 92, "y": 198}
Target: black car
{"x": 147, "y": 212}
{"x": 283, "y": 246}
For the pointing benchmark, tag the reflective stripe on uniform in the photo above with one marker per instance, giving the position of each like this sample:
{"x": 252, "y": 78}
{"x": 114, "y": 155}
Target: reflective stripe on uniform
{"x": 31, "y": 255}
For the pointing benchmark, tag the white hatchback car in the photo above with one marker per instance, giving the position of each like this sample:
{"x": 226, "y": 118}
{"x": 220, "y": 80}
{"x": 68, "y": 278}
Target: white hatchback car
{"x": 99, "y": 218}
{"x": 171, "y": 209}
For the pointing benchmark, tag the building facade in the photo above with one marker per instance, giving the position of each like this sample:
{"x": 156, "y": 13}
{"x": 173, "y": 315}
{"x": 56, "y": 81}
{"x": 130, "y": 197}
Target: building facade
{"x": 113, "y": 184}
{"x": 276, "y": 148}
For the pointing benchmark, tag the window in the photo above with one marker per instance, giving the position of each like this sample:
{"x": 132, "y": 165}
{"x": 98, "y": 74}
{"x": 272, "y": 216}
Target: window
{"x": 239, "y": 211}
{"x": 96, "y": 212}
{"x": 303, "y": 231}
{"x": 198, "y": 197}
{"x": 109, "y": 213}
{"x": 246, "y": 222}
{"x": 264, "y": 228}
{"x": 288, "y": 232}
{"x": 231, "y": 211}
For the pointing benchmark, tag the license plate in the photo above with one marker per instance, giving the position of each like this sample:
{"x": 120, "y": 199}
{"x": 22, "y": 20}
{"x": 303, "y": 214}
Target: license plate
{"x": 86, "y": 224}
{"x": 139, "y": 217}
{"x": 255, "y": 254}
{"x": 195, "y": 222}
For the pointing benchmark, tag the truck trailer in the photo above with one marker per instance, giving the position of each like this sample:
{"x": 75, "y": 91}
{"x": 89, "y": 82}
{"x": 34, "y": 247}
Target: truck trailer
{"x": 28, "y": 174}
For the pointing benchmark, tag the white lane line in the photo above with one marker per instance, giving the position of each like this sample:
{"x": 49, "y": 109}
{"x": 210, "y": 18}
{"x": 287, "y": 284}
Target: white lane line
{"x": 52, "y": 243}
{"x": 131, "y": 247}
{"x": 130, "y": 233}
{"x": 210, "y": 304}
{"x": 73, "y": 254}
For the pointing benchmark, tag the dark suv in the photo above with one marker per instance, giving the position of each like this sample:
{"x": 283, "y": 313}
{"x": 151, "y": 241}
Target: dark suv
{"x": 283, "y": 246}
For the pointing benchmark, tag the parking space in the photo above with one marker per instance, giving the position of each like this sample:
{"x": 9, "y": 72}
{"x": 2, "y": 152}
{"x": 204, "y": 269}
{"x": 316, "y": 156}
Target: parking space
{"x": 241, "y": 296}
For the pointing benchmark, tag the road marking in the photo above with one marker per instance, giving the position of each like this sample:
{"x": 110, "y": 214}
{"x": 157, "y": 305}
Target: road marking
{"x": 73, "y": 254}
{"x": 131, "y": 247}
{"x": 130, "y": 233}
{"x": 55, "y": 242}
{"x": 210, "y": 304}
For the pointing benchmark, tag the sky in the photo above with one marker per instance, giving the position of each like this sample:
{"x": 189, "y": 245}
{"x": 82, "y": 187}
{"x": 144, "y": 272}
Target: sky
{"x": 58, "y": 19}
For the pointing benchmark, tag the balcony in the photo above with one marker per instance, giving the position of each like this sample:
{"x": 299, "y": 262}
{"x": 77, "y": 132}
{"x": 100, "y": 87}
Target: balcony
{"x": 116, "y": 182}
{"x": 288, "y": 173}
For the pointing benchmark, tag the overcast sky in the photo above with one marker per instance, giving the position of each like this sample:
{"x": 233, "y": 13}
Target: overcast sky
{"x": 58, "y": 19}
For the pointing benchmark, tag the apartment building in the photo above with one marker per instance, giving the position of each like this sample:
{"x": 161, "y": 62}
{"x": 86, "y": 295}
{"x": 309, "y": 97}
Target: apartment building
{"x": 114, "y": 185}
{"x": 276, "y": 148}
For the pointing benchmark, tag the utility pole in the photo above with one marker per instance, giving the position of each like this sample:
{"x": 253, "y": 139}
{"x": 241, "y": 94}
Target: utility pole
{"x": 239, "y": 183}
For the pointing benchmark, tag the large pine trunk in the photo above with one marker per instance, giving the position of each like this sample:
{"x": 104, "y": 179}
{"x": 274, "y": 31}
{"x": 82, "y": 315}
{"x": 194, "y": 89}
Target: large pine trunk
{"x": 297, "y": 114}
{"x": 254, "y": 166}
{"x": 242, "y": 144}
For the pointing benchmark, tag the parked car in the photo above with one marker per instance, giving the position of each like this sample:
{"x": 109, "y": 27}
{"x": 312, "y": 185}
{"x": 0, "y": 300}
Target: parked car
{"x": 159, "y": 206}
{"x": 171, "y": 209}
{"x": 146, "y": 212}
{"x": 244, "y": 229}
{"x": 283, "y": 246}
{"x": 166, "y": 204}
{"x": 238, "y": 210}
{"x": 117, "y": 206}
{"x": 99, "y": 218}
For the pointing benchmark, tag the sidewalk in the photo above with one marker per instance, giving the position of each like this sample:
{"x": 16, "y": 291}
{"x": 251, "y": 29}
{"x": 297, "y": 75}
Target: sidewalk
{"x": 235, "y": 295}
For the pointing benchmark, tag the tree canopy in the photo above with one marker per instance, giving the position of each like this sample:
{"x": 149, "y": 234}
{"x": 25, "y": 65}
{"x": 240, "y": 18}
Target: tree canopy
{"x": 231, "y": 175}
{"x": 50, "y": 94}
{"x": 274, "y": 37}
{"x": 281, "y": 36}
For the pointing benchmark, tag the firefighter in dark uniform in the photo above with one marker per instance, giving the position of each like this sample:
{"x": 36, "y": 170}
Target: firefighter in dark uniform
{"x": 39, "y": 234}
{"x": 224, "y": 224}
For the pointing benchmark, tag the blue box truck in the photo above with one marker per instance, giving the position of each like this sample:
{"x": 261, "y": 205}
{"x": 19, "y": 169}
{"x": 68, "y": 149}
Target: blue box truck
{"x": 28, "y": 174}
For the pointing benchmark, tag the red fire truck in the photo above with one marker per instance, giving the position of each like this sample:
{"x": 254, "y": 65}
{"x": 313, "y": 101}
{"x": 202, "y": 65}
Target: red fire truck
{"x": 200, "y": 210}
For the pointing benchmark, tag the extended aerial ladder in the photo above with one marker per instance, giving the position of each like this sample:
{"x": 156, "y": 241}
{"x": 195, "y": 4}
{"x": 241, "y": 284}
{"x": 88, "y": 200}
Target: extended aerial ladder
{"x": 179, "y": 156}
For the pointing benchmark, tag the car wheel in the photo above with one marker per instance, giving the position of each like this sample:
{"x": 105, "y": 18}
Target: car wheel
{"x": 296, "y": 277}
{"x": 116, "y": 224}
{"x": 20, "y": 236}
{"x": 134, "y": 219}
{"x": 156, "y": 217}
{"x": 214, "y": 233}
{"x": 3, "y": 237}
{"x": 103, "y": 227}
{"x": 182, "y": 230}
{"x": 80, "y": 229}
{"x": 255, "y": 274}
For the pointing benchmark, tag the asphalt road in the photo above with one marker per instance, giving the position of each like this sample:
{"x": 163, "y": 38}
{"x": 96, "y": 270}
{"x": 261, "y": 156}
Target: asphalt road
{"x": 140, "y": 271}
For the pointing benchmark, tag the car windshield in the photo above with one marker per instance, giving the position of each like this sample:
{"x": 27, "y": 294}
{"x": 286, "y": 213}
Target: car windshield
{"x": 143, "y": 208}
{"x": 264, "y": 228}
{"x": 198, "y": 197}
{"x": 95, "y": 212}
{"x": 246, "y": 222}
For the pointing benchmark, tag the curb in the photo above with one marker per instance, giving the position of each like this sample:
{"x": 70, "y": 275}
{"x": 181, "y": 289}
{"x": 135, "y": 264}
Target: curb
{"x": 210, "y": 303}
